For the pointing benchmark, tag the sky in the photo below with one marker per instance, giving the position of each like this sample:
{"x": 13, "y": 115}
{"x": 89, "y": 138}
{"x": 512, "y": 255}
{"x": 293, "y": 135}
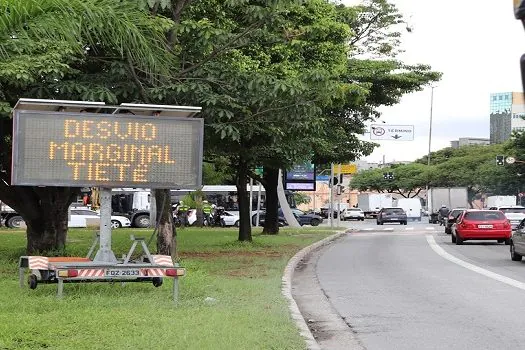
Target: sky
{"x": 477, "y": 46}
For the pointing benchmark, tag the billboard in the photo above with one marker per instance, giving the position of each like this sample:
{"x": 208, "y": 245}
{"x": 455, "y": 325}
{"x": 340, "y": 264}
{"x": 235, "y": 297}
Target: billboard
{"x": 106, "y": 150}
{"x": 300, "y": 178}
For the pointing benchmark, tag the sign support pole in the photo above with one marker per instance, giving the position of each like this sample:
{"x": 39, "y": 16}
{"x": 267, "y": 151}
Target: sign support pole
{"x": 105, "y": 254}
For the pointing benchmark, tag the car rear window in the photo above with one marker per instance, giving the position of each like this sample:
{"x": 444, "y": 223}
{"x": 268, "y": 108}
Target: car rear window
{"x": 395, "y": 211}
{"x": 455, "y": 213}
{"x": 354, "y": 209}
{"x": 484, "y": 215}
{"x": 512, "y": 210}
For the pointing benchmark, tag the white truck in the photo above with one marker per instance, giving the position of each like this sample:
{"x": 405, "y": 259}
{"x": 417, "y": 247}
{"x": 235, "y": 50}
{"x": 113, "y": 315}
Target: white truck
{"x": 412, "y": 206}
{"x": 372, "y": 203}
{"x": 451, "y": 197}
{"x": 500, "y": 201}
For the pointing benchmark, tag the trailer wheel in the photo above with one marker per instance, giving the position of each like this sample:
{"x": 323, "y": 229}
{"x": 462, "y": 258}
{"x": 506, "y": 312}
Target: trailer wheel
{"x": 32, "y": 281}
{"x": 157, "y": 281}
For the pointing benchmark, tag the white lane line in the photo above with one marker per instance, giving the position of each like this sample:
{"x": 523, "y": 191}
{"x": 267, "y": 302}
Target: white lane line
{"x": 409, "y": 229}
{"x": 367, "y": 229}
{"x": 440, "y": 251}
{"x": 430, "y": 228}
{"x": 388, "y": 229}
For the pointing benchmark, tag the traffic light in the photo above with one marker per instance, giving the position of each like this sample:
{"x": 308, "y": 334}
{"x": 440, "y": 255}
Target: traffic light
{"x": 500, "y": 160}
{"x": 334, "y": 181}
{"x": 388, "y": 176}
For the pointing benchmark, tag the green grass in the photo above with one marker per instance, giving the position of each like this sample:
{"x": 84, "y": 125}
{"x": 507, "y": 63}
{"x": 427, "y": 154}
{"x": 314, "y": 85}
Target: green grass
{"x": 244, "y": 278}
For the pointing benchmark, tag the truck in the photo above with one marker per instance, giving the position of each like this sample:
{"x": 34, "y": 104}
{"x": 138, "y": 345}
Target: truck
{"x": 372, "y": 203}
{"x": 451, "y": 197}
{"x": 500, "y": 201}
{"x": 412, "y": 206}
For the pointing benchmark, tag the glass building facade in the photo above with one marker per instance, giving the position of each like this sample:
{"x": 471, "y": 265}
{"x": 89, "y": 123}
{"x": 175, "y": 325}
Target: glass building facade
{"x": 500, "y": 117}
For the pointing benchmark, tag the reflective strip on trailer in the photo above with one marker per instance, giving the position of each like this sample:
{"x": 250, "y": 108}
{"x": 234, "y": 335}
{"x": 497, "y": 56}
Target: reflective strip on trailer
{"x": 162, "y": 260}
{"x": 38, "y": 262}
{"x": 153, "y": 272}
{"x": 91, "y": 273}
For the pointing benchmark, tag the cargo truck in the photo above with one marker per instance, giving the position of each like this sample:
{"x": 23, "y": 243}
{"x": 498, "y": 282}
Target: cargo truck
{"x": 500, "y": 201}
{"x": 372, "y": 203}
{"x": 454, "y": 197}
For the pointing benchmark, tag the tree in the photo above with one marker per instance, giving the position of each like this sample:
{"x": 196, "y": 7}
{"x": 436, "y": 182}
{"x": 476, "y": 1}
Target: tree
{"x": 70, "y": 49}
{"x": 408, "y": 180}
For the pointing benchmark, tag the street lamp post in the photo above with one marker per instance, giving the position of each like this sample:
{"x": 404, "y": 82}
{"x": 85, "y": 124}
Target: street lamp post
{"x": 430, "y": 136}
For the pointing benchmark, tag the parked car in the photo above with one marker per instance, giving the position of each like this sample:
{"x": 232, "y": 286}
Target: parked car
{"x": 302, "y": 218}
{"x": 475, "y": 224}
{"x": 392, "y": 215}
{"x": 325, "y": 213}
{"x": 353, "y": 214}
{"x": 517, "y": 242}
{"x": 451, "y": 219}
{"x": 79, "y": 216}
{"x": 231, "y": 218}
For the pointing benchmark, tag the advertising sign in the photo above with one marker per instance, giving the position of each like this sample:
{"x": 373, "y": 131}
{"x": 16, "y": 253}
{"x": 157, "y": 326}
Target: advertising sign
{"x": 300, "y": 178}
{"x": 106, "y": 150}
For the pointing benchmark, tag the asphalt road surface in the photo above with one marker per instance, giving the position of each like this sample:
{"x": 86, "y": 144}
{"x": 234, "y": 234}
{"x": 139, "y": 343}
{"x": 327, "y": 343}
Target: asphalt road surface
{"x": 409, "y": 287}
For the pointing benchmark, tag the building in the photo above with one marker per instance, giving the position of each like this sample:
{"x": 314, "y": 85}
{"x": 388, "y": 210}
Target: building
{"x": 507, "y": 114}
{"x": 468, "y": 141}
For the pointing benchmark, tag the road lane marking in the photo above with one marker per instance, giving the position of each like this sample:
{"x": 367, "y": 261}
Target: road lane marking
{"x": 409, "y": 229}
{"x": 440, "y": 251}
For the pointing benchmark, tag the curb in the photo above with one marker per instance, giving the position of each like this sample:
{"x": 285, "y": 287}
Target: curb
{"x": 286, "y": 289}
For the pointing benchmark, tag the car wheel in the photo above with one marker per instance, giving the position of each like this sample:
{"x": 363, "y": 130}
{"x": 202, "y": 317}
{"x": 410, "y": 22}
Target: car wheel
{"x": 377, "y": 222}
{"x": 507, "y": 241}
{"x": 513, "y": 255}
{"x": 404, "y": 223}
{"x": 14, "y": 221}
{"x": 453, "y": 238}
{"x": 315, "y": 222}
{"x": 141, "y": 221}
{"x": 362, "y": 219}
{"x": 459, "y": 240}
{"x": 501, "y": 240}
{"x": 237, "y": 223}
{"x": 115, "y": 224}
{"x": 447, "y": 230}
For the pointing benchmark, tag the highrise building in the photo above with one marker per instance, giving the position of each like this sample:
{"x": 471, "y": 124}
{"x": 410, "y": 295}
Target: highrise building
{"x": 507, "y": 113}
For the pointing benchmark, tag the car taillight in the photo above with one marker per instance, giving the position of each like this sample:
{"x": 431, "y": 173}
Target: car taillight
{"x": 450, "y": 217}
{"x": 506, "y": 225}
{"x": 467, "y": 225}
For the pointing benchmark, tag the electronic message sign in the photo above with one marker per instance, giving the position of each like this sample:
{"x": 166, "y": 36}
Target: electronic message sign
{"x": 300, "y": 178}
{"x": 106, "y": 150}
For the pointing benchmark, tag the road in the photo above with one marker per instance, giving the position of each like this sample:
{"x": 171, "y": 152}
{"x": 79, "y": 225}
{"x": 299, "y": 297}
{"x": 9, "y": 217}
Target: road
{"x": 410, "y": 288}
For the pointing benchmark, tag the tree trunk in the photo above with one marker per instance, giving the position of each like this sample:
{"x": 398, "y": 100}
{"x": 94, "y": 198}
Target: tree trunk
{"x": 166, "y": 235}
{"x": 271, "y": 220}
{"x": 245, "y": 227}
{"x": 48, "y": 231}
{"x": 199, "y": 222}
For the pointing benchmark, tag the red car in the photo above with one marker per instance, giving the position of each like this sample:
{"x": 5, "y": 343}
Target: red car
{"x": 481, "y": 225}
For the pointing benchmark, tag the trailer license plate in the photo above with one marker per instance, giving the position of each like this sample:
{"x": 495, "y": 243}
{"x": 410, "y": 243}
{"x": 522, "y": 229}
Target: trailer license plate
{"x": 484, "y": 226}
{"x": 124, "y": 273}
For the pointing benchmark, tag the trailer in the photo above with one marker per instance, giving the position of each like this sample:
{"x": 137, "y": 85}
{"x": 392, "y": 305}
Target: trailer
{"x": 66, "y": 269}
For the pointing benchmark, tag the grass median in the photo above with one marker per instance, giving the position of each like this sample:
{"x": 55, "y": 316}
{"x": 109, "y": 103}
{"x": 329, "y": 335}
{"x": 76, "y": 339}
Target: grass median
{"x": 230, "y": 298}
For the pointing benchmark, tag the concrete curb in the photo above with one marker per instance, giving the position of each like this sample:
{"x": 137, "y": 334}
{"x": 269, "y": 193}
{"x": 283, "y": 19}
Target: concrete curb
{"x": 286, "y": 289}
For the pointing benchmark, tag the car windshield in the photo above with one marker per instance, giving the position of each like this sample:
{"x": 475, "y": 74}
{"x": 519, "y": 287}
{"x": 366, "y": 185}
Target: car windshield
{"x": 513, "y": 210}
{"x": 484, "y": 215}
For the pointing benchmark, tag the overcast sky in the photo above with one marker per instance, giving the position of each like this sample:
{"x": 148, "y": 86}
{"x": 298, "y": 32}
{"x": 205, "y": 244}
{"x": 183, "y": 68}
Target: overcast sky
{"x": 477, "y": 46}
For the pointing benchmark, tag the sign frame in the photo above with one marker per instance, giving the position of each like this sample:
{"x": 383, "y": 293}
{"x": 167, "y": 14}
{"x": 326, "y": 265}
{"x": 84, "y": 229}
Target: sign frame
{"x": 306, "y": 185}
{"x": 391, "y": 132}
{"x": 18, "y": 179}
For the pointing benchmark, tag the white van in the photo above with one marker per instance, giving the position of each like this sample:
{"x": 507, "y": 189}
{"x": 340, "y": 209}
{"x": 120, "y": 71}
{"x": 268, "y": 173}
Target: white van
{"x": 412, "y": 207}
